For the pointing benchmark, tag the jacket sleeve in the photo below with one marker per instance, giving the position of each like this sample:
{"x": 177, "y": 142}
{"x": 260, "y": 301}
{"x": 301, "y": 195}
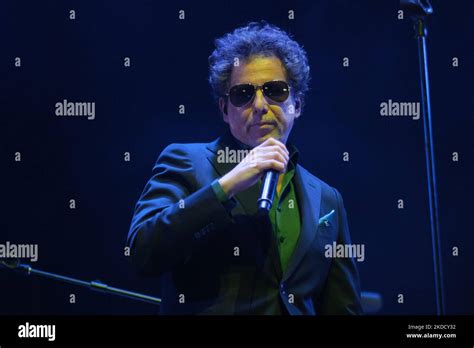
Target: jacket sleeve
{"x": 341, "y": 294}
{"x": 171, "y": 214}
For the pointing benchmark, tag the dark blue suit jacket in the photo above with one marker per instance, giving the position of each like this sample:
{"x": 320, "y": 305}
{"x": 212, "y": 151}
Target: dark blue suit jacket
{"x": 216, "y": 259}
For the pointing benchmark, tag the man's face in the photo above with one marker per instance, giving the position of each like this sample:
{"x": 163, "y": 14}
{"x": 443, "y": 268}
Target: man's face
{"x": 262, "y": 117}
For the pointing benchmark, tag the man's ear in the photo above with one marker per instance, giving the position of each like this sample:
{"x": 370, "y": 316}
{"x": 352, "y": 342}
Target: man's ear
{"x": 223, "y": 107}
{"x": 298, "y": 105}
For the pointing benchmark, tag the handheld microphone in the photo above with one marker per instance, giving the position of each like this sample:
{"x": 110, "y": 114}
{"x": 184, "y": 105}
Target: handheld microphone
{"x": 267, "y": 191}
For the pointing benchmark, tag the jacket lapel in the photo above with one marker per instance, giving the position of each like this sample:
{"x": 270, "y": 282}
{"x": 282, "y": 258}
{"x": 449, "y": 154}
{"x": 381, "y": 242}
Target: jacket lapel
{"x": 308, "y": 192}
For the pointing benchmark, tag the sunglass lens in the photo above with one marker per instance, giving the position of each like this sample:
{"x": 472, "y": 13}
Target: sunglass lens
{"x": 241, "y": 94}
{"x": 276, "y": 90}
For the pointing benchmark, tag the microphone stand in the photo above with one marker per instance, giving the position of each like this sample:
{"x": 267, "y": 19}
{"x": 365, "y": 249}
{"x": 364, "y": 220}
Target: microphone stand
{"x": 93, "y": 285}
{"x": 419, "y": 10}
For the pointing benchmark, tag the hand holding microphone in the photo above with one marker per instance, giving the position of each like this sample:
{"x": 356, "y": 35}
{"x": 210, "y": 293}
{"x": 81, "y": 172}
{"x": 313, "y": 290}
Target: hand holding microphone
{"x": 269, "y": 157}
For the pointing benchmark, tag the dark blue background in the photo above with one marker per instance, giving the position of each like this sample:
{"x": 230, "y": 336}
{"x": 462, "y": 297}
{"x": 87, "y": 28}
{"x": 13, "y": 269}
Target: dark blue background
{"x": 137, "y": 111}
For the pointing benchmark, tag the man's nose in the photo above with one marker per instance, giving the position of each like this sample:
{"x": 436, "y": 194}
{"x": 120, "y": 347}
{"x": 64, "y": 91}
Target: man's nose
{"x": 259, "y": 105}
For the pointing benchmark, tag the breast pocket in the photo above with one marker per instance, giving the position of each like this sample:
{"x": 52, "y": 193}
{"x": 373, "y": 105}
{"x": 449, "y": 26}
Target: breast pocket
{"x": 327, "y": 226}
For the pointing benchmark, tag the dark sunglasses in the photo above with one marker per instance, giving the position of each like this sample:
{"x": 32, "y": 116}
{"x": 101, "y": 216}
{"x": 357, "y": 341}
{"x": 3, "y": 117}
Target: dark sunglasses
{"x": 277, "y": 91}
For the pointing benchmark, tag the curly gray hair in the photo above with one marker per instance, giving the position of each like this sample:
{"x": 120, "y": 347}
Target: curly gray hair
{"x": 258, "y": 39}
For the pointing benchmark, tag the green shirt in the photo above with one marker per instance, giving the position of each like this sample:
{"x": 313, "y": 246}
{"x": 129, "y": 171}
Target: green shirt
{"x": 285, "y": 217}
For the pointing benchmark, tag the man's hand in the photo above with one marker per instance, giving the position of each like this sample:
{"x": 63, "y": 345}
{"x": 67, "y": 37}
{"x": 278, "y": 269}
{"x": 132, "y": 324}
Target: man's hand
{"x": 269, "y": 155}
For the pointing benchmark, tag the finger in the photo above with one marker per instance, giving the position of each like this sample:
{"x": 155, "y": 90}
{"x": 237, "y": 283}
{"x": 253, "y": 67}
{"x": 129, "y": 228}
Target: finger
{"x": 278, "y": 143}
{"x": 274, "y": 148}
{"x": 271, "y": 141}
{"x": 272, "y": 164}
{"x": 276, "y": 155}
{"x": 283, "y": 151}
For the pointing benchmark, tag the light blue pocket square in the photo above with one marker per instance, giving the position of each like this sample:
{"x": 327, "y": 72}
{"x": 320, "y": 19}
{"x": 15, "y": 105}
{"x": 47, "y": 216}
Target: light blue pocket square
{"x": 325, "y": 219}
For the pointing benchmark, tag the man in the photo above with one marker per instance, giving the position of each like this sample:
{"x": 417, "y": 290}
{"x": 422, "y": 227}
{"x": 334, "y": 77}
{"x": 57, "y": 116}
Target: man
{"x": 196, "y": 223}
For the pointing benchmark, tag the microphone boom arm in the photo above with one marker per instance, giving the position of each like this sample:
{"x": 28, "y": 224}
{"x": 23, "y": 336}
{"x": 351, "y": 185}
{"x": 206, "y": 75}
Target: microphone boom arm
{"x": 93, "y": 285}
